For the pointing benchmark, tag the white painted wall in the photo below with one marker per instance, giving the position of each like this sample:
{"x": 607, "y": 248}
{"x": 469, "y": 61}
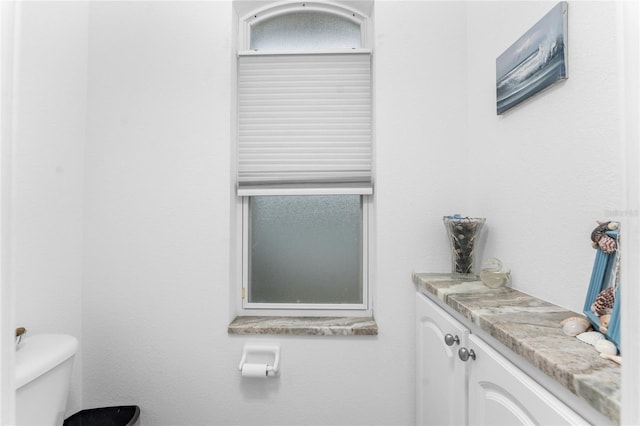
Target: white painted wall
{"x": 7, "y": 305}
{"x": 420, "y": 96}
{"x": 157, "y": 225}
{"x": 48, "y": 165}
{"x": 157, "y": 209}
{"x": 157, "y": 182}
{"x": 544, "y": 172}
{"x": 631, "y": 243}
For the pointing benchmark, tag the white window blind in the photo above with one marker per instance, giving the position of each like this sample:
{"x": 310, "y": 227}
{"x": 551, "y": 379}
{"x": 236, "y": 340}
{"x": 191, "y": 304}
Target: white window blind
{"x": 304, "y": 123}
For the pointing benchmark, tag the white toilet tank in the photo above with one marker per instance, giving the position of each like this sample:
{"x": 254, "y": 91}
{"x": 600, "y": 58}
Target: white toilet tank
{"x": 43, "y": 373}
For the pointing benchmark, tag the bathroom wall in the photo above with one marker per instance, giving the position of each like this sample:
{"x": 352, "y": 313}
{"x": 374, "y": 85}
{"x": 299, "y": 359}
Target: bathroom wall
{"x": 50, "y": 80}
{"x": 544, "y": 172}
{"x": 154, "y": 244}
{"x": 157, "y": 210}
{"x": 631, "y": 243}
{"x": 158, "y": 221}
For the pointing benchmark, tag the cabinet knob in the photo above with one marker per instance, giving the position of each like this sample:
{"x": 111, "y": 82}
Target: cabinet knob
{"x": 450, "y": 339}
{"x": 465, "y": 354}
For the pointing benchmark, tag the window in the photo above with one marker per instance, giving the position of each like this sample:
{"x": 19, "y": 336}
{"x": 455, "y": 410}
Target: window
{"x": 306, "y": 249}
{"x": 305, "y": 30}
{"x": 304, "y": 158}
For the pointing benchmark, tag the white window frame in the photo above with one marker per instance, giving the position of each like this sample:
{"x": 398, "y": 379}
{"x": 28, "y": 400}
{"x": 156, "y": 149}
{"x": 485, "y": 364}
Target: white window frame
{"x": 366, "y": 302}
{"x": 271, "y": 11}
{"x": 244, "y": 307}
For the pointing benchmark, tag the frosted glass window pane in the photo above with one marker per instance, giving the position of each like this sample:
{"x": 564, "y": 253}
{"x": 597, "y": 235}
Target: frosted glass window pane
{"x": 305, "y": 30}
{"x": 305, "y": 249}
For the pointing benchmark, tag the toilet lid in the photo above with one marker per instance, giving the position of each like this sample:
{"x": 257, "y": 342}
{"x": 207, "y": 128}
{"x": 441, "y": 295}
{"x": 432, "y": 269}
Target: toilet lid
{"x": 37, "y": 354}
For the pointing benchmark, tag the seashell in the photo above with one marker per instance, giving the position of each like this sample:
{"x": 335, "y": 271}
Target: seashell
{"x": 604, "y": 323}
{"x": 574, "y": 327}
{"x": 590, "y": 337}
{"x": 604, "y": 301}
{"x": 615, "y": 358}
{"x": 575, "y": 319}
{"x": 598, "y": 235}
{"x": 607, "y": 244}
{"x": 606, "y": 347}
{"x": 599, "y": 231}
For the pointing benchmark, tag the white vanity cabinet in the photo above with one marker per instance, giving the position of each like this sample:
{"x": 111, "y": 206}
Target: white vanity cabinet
{"x": 501, "y": 394}
{"x": 486, "y": 389}
{"x": 441, "y": 376}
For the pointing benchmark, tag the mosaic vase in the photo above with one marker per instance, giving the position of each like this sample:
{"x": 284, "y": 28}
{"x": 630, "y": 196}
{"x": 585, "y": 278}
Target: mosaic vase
{"x": 463, "y": 234}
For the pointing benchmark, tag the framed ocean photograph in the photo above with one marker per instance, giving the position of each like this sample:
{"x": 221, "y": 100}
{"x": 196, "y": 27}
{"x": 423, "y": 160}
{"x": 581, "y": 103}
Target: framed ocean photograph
{"x": 536, "y": 61}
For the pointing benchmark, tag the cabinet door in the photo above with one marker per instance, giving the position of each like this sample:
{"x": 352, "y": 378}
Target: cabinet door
{"x": 501, "y": 394}
{"x": 441, "y": 396}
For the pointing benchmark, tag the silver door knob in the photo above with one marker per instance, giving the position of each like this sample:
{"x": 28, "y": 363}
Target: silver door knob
{"x": 450, "y": 339}
{"x": 465, "y": 354}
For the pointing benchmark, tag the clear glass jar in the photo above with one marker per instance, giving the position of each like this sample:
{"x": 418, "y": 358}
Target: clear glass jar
{"x": 463, "y": 234}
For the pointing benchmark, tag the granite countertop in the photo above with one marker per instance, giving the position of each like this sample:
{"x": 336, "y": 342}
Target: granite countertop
{"x": 304, "y": 326}
{"x": 531, "y": 328}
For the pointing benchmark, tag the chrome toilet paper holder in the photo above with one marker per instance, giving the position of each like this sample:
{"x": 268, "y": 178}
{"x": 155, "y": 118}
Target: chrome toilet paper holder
{"x": 273, "y": 368}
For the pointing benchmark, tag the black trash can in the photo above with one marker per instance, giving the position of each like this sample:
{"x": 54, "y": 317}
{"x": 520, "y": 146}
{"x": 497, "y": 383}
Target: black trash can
{"x": 126, "y": 415}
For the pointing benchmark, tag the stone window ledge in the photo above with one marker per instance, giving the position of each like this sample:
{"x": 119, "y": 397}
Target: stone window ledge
{"x": 304, "y": 326}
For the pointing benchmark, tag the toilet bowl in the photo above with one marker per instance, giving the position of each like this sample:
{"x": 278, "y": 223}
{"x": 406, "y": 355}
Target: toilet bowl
{"x": 43, "y": 373}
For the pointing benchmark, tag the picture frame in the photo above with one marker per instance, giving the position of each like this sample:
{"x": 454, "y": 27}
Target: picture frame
{"x": 537, "y": 60}
{"x": 605, "y": 275}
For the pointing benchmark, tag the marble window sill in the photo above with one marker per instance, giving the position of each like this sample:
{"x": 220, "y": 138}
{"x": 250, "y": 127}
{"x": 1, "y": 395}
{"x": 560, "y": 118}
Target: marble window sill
{"x": 304, "y": 326}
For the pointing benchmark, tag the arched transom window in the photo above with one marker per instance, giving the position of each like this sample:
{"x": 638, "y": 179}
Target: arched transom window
{"x": 304, "y": 26}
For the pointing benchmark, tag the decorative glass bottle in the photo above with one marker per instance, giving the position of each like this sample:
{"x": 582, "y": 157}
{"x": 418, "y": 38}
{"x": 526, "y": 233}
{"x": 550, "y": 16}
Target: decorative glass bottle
{"x": 463, "y": 233}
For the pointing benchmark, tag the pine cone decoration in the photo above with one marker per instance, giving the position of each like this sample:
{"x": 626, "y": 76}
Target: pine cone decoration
{"x": 607, "y": 244}
{"x": 604, "y": 302}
